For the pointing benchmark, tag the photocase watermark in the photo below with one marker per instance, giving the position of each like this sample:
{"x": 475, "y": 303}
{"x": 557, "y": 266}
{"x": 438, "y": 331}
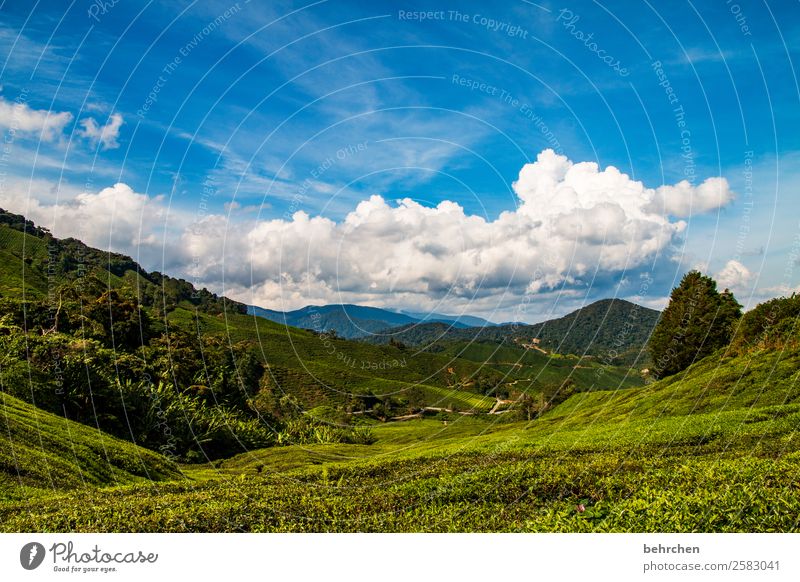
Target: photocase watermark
{"x": 327, "y": 338}
{"x": 53, "y": 308}
{"x": 536, "y": 282}
{"x": 168, "y": 70}
{"x": 569, "y": 21}
{"x": 11, "y": 133}
{"x": 316, "y": 174}
{"x": 32, "y": 555}
{"x": 168, "y": 449}
{"x": 67, "y": 559}
{"x": 207, "y": 192}
{"x": 487, "y": 22}
{"x": 100, "y": 8}
{"x": 508, "y": 98}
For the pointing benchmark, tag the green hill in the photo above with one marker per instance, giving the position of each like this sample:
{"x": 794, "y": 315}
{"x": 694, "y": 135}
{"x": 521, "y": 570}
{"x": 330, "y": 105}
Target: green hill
{"x": 48, "y": 266}
{"x": 613, "y": 330}
{"x": 532, "y": 368}
{"x": 39, "y": 450}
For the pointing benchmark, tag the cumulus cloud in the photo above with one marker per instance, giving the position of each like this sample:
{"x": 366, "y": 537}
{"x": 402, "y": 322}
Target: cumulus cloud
{"x": 574, "y": 223}
{"x": 115, "y": 218}
{"x": 734, "y": 275}
{"x": 105, "y": 135}
{"x": 683, "y": 199}
{"x": 19, "y": 117}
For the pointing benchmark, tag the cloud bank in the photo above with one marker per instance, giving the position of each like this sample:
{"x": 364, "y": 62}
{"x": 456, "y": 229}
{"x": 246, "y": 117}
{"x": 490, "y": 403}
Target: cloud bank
{"x": 18, "y": 117}
{"x": 574, "y": 222}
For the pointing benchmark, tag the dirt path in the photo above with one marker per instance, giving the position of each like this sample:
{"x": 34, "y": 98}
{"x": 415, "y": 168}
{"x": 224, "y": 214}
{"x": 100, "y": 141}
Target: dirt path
{"x": 498, "y": 404}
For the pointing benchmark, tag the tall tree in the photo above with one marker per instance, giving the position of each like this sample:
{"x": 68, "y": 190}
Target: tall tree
{"x": 698, "y": 321}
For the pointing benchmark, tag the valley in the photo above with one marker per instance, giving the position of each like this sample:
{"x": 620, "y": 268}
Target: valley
{"x": 132, "y": 401}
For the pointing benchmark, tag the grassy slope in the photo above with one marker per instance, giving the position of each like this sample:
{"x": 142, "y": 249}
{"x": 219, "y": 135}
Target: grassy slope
{"x": 319, "y": 371}
{"x": 534, "y": 368}
{"x": 17, "y": 275}
{"x": 41, "y": 450}
{"x": 714, "y": 450}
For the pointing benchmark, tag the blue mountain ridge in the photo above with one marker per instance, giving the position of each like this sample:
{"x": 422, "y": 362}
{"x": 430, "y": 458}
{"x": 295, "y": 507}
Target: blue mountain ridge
{"x": 353, "y": 321}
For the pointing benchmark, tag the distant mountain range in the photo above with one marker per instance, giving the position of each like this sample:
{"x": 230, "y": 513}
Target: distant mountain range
{"x": 460, "y": 320}
{"x": 358, "y": 321}
{"x": 610, "y": 328}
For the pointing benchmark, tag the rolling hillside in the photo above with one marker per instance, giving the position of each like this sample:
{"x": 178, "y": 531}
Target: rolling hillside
{"x": 314, "y": 368}
{"x": 714, "y": 449}
{"x": 40, "y": 450}
{"x": 530, "y": 368}
{"x": 62, "y": 292}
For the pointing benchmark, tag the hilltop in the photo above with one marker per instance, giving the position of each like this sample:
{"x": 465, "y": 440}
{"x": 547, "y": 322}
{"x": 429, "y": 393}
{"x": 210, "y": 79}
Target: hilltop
{"x": 613, "y": 330}
{"x": 36, "y": 266}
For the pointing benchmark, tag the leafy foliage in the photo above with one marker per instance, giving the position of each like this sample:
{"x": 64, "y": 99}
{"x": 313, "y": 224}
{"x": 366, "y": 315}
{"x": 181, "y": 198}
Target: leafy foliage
{"x": 770, "y": 325}
{"x": 711, "y": 450}
{"x": 697, "y": 322}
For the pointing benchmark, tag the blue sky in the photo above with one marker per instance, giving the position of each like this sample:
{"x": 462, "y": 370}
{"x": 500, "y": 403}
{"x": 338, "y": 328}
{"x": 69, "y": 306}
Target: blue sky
{"x": 227, "y": 118}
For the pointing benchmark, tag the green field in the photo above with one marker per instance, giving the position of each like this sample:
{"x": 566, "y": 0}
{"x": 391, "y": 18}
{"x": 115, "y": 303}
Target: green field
{"x": 716, "y": 450}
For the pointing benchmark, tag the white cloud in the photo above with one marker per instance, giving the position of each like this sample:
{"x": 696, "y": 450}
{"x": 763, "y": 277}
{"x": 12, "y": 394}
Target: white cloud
{"x": 18, "y": 117}
{"x": 573, "y": 220}
{"x": 683, "y": 199}
{"x": 106, "y": 135}
{"x": 115, "y": 218}
{"x": 734, "y": 275}
{"x": 574, "y": 223}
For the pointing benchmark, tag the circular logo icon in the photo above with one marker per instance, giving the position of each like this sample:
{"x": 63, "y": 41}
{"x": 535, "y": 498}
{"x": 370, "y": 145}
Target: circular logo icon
{"x": 31, "y": 555}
